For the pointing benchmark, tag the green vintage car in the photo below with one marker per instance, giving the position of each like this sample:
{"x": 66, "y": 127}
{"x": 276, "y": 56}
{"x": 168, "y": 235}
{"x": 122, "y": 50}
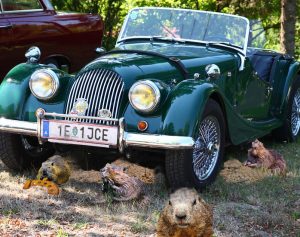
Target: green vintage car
{"x": 179, "y": 82}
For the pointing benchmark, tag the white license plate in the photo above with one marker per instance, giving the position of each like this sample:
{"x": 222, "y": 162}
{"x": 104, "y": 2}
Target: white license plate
{"x": 69, "y": 132}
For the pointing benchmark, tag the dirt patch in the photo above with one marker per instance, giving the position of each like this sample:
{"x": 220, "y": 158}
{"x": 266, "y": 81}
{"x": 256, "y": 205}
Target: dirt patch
{"x": 234, "y": 171}
{"x": 144, "y": 174}
{"x": 90, "y": 176}
{"x": 93, "y": 176}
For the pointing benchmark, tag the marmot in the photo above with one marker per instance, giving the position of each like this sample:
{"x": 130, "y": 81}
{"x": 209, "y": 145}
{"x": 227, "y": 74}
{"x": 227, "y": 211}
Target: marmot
{"x": 55, "y": 169}
{"x": 123, "y": 186}
{"x": 259, "y": 156}
{"x": 185, "y": 215}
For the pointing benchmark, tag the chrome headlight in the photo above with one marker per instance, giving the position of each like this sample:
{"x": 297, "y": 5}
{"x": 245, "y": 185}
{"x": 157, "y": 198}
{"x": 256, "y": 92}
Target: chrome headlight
{"x": 144, "y": 96}
{"x": 44, "y": 84}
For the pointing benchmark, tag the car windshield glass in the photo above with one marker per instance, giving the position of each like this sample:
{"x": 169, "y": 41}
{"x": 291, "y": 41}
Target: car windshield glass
{"x": 186, "y": 25}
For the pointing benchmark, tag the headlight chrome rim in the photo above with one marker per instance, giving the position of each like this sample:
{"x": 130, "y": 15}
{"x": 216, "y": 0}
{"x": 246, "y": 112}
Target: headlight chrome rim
{"x": 55, "y": 82}
{"x": 156, "y": 91}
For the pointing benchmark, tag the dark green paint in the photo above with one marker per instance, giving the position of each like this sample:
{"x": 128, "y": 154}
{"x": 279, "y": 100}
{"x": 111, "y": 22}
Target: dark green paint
{"x": 249, "y": 110}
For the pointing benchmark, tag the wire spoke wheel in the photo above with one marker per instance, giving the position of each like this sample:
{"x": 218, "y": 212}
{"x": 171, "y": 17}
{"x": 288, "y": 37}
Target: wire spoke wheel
{"x": 206, "y": 149}
{"x": 199, "y": 166}
{"x": 295, "y": 115}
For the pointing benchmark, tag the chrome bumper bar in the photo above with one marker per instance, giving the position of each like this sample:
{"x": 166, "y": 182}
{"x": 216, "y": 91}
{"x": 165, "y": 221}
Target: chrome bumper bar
{"x": 20, "y": 127}
{"x": 125, "y": 139}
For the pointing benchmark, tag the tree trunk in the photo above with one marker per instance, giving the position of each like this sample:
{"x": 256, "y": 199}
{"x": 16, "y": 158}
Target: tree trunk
{"x": 288, "y": 26}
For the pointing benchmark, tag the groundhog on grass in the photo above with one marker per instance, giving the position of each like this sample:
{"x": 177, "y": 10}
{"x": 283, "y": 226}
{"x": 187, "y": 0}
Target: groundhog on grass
{"x": 55, "y": 169}
{"x": 124, "y": 187}
{"x": 185, "y": 215}
{"x": 259, "y": 156}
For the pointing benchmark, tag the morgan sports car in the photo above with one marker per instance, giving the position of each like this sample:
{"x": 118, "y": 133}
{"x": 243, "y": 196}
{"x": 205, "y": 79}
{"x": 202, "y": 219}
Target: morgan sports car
{"x": 181, "y": 84}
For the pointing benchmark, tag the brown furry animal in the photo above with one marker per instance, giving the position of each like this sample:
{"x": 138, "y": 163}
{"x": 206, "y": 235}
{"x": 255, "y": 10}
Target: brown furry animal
{"x": 55, "y": 169}
{"x": 123, "y": 186}
{"x": 259, "y": 156}
{"x": 185, "y": 215}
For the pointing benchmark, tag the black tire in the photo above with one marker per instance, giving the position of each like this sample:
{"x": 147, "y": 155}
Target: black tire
{"x": 288, "y": 132}
{"x": 180, "y": 163}
{"x": 21, "y": 152}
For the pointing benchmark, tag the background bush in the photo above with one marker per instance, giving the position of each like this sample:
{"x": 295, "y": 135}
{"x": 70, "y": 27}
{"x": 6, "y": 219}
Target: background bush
{"x": 114, "y": 12}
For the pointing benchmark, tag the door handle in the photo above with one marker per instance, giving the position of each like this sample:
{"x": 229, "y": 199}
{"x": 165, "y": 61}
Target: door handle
{"x": 5, "y": 26}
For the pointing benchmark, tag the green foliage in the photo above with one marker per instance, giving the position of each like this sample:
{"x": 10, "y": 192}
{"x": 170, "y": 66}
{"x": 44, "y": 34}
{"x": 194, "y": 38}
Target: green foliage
{"x": 114, "y": 12}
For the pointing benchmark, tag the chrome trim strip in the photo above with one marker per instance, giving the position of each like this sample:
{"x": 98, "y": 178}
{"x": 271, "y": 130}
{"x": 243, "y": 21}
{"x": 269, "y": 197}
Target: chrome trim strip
{"x": 158, "y": 141}
{"x": 79, "y": 117}
{"x": 125, "y": 139}
{"x": 39, "y": 127}
{"x": 19, "y": 127}
{"x": 121, "y": 135}
{"x": 24, "y": 11}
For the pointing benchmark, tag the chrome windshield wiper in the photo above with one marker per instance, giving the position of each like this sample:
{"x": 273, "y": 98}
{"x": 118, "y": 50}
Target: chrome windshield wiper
{"x": 223, "y": 43}
{"x": 227, "y": 45}
{"x": 169, "y": 39}
{"x": 152, "y": 39}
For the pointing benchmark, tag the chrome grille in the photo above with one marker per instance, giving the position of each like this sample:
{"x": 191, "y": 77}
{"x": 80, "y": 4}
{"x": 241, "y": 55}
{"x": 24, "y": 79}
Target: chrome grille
{"x": 102, "y": 89}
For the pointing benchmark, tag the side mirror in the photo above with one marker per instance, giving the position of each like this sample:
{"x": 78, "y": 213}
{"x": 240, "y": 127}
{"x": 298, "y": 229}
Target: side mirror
{"x": 33, "y": 54}
{"x": 100, "y": 50}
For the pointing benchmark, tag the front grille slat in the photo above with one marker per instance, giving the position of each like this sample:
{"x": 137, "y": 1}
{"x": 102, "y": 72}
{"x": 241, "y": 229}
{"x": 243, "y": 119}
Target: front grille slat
{"x": 99, "y": 92}
{"x": 102, "y": 89}
{"x": 90, "y": 96}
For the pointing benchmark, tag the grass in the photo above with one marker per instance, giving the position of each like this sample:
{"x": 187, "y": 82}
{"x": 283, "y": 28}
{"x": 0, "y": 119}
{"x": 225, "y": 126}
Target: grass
{"x": 270, "y": 207}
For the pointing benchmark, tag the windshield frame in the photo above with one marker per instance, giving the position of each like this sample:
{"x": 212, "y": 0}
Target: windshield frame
{"x": 241, "y": 51}
{"x": 246, "y": 38}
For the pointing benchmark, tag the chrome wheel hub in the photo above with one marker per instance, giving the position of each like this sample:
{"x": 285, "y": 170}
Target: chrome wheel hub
{"x": 206, "y": 148}
{"x": 295, "y": 115}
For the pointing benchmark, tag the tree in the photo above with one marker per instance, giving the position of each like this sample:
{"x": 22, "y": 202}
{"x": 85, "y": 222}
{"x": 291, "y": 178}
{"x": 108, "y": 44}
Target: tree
{"x": 288, "y": 26}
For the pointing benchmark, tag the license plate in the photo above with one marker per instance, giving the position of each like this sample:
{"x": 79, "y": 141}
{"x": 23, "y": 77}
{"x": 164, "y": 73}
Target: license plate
{"x": 69, "y": 132}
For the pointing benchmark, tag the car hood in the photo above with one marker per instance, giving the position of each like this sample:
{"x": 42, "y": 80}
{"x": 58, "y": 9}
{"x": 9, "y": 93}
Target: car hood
{"x": 156, "y": 61}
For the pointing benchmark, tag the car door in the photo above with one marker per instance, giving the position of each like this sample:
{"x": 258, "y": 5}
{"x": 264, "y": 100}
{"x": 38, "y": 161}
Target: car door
{"x": 22, "y": 15}
{"x": 253, "y": 93}
{"x": 5, "y": 45}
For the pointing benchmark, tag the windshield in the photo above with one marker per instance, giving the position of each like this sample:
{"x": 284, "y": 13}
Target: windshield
{"x": 186, "y": 25}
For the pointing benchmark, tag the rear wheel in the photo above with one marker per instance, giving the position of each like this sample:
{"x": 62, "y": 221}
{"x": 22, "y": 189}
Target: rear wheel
{"x": 20, "y": 152}
{"x": 199, "y": 166}
{"x": 291, "y": 126}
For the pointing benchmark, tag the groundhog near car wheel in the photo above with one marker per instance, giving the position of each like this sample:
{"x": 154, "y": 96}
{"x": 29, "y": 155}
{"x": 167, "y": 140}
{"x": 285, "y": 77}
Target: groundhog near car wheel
{"x": 21, "y": 152}
{"x": 199, "y": 166}
{"x": 290, "y": 129}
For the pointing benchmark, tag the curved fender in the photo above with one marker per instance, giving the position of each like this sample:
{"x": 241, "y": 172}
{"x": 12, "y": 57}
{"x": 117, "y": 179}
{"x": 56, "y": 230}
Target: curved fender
{"x": 185, "y": 107}
{"x": 14, "y": 90}
{"x": 16, "y": 99}
{"x": 291, "y": 77}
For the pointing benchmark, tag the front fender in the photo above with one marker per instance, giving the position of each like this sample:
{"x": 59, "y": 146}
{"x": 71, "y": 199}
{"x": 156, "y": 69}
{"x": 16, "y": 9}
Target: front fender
{"x": 290, "y": 79}
{"x": 185, "y": 107}
{"x": 16, "y": 99}
{"x": 14, "y": 90}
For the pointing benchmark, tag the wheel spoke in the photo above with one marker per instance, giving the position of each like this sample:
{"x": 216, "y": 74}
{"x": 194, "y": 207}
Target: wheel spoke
{"x": 295, "y": 113}
{"x": 206, "y": 149}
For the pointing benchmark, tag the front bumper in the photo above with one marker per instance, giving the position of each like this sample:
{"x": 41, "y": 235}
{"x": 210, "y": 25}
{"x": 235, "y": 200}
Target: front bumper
{"x": 125, "y": 139}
